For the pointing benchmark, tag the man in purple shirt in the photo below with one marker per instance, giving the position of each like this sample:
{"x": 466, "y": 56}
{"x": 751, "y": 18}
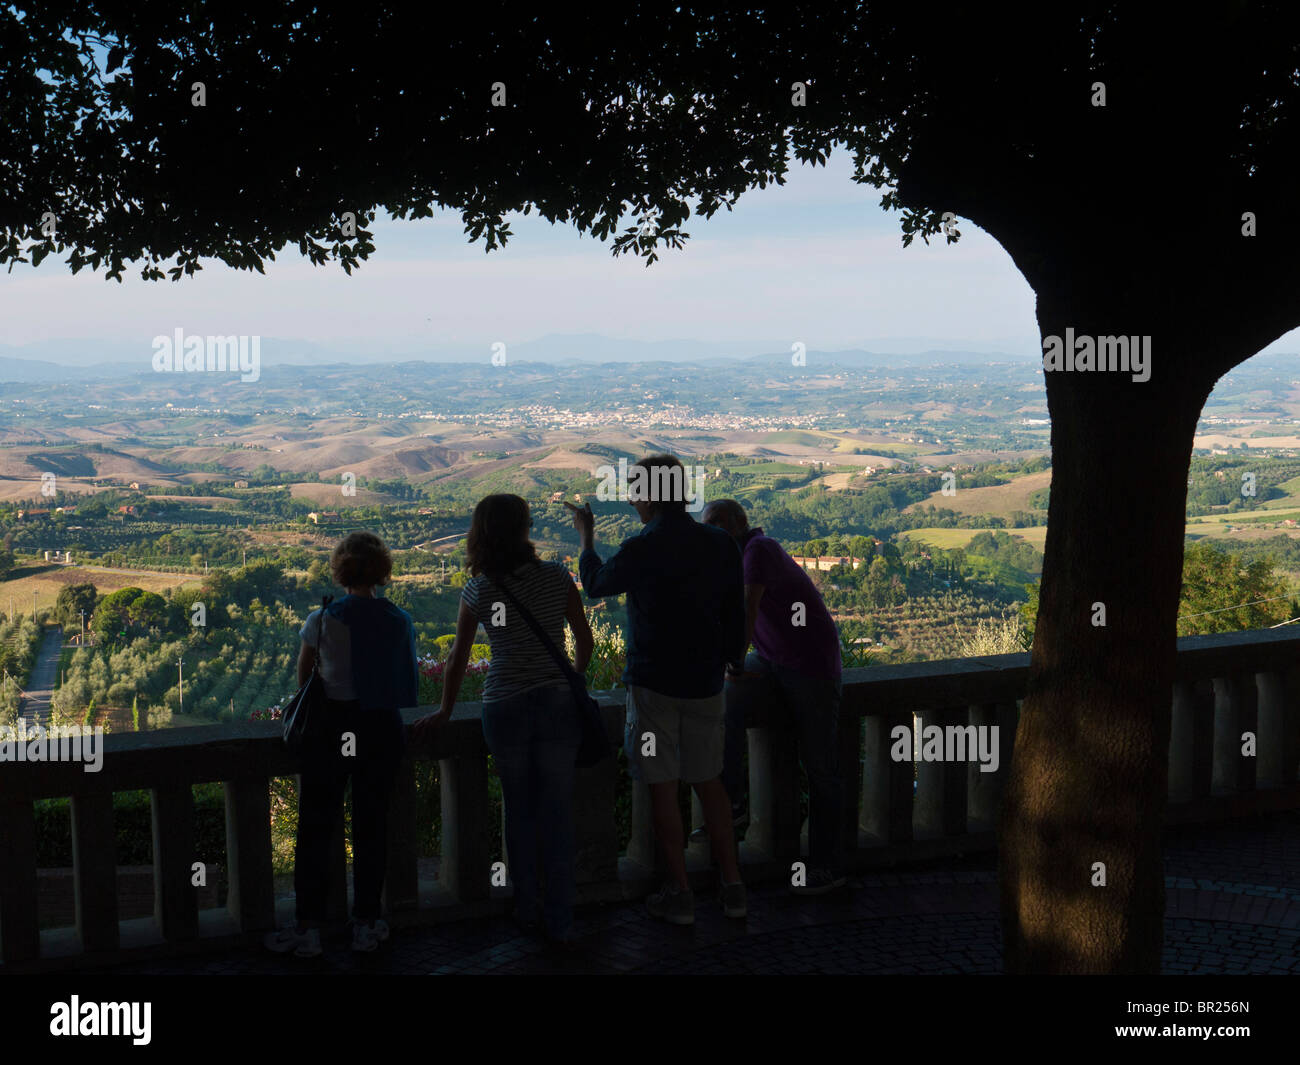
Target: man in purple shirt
{"x": 796, "y": 658}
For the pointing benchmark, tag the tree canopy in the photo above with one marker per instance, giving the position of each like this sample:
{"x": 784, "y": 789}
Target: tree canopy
{"x": 162, "y": 134}
{"x": 72, "y": 600}
{"x": 1222, "y": 593}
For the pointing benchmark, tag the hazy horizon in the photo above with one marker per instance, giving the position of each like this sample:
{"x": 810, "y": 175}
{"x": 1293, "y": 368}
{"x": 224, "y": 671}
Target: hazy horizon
{"x": 815, "y": 261}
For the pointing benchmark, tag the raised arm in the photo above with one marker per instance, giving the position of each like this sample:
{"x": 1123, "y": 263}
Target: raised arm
{"x": 583, "y": 642}
{"x": 599, "y": 579}
{"x": 610, "y": 578}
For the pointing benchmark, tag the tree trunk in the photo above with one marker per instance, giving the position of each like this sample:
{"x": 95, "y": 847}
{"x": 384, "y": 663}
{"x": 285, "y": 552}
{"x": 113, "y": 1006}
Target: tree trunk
{"x": 1088, "y": 781}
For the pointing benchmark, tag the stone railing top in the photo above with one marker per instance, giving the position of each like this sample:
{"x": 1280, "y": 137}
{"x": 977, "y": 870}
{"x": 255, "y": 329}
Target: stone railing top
{"x": 224, "y": 751}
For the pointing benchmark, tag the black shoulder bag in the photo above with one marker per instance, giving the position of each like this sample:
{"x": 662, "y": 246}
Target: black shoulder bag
{"x": 304, "y": 714}
{"x": 594, "y": 745}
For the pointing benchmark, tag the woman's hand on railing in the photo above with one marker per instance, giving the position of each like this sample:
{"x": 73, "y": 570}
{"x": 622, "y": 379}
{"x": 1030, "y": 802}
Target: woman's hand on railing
{"x": 423, "y": 731}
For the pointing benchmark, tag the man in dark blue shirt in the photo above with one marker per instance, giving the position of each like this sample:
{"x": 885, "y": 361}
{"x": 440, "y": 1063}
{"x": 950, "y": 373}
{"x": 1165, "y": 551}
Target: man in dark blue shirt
{"x": 686, "y": 612}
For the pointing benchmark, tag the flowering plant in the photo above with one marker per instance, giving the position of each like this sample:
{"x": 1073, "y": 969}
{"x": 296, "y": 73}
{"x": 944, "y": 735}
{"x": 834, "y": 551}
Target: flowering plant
{"x": 271, "y": 713}
{"x": 434, "y": 668}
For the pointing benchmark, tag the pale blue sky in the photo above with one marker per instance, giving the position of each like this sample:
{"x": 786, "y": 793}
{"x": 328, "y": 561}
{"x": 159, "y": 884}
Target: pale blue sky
{"x": 816, "y": 260}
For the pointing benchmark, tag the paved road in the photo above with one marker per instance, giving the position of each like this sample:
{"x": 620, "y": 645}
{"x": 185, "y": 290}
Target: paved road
{"x": 35, "y": 707}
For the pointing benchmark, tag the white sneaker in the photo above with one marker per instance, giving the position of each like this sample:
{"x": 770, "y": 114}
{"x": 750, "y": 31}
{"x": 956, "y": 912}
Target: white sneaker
{"x": 303, "y": 944}
{"x": 368, "y": 937}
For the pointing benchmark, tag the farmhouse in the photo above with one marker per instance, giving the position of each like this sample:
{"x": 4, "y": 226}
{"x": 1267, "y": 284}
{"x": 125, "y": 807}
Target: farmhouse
{"x": 826, "y": 562}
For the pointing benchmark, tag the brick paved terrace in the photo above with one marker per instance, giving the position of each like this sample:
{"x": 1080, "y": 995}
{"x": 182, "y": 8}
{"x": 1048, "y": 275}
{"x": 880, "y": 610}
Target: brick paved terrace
{"x": 1232, "y": 897}
{"x": 923, "y": 895}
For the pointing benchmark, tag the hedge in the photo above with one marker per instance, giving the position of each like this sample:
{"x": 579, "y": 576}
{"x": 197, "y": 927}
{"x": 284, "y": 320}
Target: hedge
{"x": 132, "y": 828}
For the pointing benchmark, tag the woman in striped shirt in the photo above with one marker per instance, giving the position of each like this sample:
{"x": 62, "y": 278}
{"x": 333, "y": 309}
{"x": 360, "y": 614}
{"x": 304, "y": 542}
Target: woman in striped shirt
{"x": 529, "y": 719}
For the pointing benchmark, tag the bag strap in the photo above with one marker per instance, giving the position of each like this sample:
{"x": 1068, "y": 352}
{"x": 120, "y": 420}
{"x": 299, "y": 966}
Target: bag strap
{"x": 325, "y": 601}
{"x": 560, "y": 660}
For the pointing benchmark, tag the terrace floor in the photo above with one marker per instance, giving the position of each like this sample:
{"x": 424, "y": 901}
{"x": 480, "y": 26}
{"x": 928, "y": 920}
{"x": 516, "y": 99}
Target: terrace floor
{"x": 1232, "y": 906}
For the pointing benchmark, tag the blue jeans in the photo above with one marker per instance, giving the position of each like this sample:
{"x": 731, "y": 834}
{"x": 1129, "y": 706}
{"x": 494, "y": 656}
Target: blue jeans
{"x": 534, "y": 740}
{"x": 813, "y": 704}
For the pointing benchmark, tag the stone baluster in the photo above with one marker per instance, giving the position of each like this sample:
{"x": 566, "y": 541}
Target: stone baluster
{"x": 644, "y": 860}
{"x": 849, "y": 762}
{"x": 596, "y": 833}
{"x": 887, "y": 785}
{"x": 774, "y": 821}
{"x": 175, "y": 901}
{"x": 984, "y": 790}
{"x": 251, "y": 899}
{"x": 1277, "y": 754}
{"x": 402, "y": 872}
{"x": 940, "y": 808}
{"x": 1235, "y": 712}
{"x": 466, "y": 862}
{"x": 1191, "y": 741}
{"x": 20, "y": 939}
{"x": 94, "y": 871}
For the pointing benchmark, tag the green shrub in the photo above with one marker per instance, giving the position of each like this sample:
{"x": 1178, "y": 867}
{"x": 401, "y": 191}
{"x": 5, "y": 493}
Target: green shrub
{"x": 132, "y": 828}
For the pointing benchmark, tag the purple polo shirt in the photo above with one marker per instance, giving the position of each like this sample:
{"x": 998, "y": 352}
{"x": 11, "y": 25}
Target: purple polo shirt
{"x": 813, "y": 647}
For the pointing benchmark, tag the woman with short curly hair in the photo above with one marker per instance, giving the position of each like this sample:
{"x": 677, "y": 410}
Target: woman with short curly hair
{"x": 361, "y": 560}
{"x": 368, "y": 665}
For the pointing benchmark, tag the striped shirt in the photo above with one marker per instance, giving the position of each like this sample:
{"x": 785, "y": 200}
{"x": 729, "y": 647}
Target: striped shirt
{"x": 519, "y": 661}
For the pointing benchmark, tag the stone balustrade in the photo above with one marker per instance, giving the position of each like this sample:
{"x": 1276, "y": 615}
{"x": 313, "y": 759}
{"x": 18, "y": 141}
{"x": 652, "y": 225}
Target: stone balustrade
{"x": 895, "y": 811}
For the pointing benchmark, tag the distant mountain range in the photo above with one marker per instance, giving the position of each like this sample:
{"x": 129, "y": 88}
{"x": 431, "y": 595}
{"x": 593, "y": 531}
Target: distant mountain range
{"x": 58, "y": 360}
{"x": 82, "y": 360}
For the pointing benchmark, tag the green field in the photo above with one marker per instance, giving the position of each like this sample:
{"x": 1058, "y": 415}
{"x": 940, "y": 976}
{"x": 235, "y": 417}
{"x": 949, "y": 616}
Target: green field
{"x": 1236, "y": 517}
{"x": 803, "y": 437}
{"x": 1292, "y": 498}
{"x": 948, "y": 539}
{"x": 998, "y": 500}
{"x": 769, "y": 467}
{"x": 48, "y": 580}
{"x": 843, "y": 443}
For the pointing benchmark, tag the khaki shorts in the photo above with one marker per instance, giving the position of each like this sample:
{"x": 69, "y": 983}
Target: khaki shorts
{"x": 689, "y": 735}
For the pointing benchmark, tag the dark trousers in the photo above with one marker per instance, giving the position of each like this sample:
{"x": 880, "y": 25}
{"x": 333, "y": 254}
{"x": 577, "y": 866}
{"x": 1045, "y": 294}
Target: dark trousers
{"x": 371, "y": 759}
{"x": 812, "y": 704}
